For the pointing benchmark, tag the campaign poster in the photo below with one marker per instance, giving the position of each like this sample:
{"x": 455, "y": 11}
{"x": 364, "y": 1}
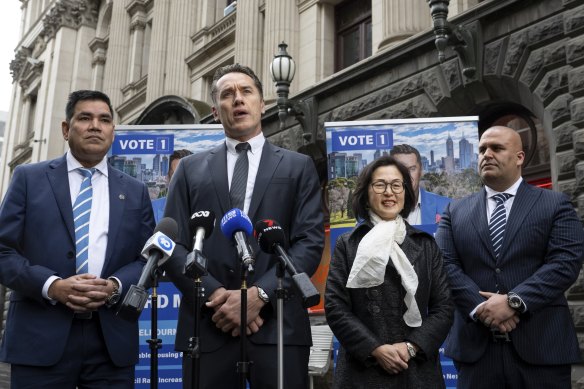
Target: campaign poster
{"x": 448, "y": 155}
{"x": 144, "y": 152}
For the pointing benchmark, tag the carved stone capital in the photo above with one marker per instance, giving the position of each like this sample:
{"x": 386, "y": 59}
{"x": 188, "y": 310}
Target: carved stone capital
{"x": 70, "y": 13}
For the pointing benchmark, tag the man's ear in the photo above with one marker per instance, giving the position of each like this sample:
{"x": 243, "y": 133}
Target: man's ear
{"x": 215, "y": 114}
{"x": 65, "y": 129}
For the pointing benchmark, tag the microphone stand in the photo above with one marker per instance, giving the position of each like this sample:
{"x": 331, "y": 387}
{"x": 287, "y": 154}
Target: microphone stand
{"x": 196, "y": 271}
{"x": 281, "y": 295}
{"x": 243, "y": 365}
{"x": 154, "y": 342}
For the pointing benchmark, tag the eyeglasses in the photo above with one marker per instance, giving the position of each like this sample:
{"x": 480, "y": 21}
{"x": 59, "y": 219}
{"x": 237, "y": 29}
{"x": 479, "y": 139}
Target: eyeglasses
{"x": 380, "y": 187}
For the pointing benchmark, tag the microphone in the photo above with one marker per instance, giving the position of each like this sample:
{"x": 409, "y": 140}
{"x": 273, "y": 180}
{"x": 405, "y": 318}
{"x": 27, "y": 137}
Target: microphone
{"x": 157, "y": 250}
{"x": 202, "y": 223}
{"x": 272, "y": 240}
{"x": 235, "y": 224}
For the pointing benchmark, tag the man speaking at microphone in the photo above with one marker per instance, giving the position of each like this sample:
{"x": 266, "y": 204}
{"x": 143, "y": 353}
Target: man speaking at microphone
{"x": 266, "y": 182}
{"x": 71, "y": 233}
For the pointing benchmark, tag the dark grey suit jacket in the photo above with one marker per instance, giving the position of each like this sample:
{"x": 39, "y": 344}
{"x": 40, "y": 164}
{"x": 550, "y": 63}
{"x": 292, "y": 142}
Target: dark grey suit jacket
{"x": 540, "y": 259}
{"x": 286, "y": 190}
{"x": 37, "y": 240}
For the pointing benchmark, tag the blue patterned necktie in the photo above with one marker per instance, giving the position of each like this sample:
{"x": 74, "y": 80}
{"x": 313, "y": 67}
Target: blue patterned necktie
{"x": 239, "y": 179}
{"x": 498, "y": 222}
{"x": 81, "y": 214}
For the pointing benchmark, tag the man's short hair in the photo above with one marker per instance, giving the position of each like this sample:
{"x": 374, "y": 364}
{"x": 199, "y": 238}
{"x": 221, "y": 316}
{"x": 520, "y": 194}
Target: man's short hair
{"x": 82, "y": 95}
{"x": 178, "y": 154}
{"x": 406, "y": 149}
{"x": 235, "y": 68}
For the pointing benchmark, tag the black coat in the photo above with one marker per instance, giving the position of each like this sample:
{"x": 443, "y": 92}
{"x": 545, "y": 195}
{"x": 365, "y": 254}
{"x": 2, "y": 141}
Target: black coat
{"x": 366, "y": 318}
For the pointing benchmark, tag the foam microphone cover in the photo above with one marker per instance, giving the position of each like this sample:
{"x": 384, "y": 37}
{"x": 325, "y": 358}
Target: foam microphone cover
{"x": 235, "y": 220}
{"x": 269, "y": 234}
{"x": 204, "y": 219}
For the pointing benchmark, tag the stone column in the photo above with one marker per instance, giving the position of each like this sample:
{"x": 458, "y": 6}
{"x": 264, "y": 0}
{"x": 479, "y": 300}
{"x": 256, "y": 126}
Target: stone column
{"x": 281, "y": 25}
{"x": 158, "y": 50}
{"x": 248, "y": 36}
{"x": 179, "y": 46}
{"x": 115, "y": 76}
{"x": 396, "y": 20}
{"x": 137, "y": 48}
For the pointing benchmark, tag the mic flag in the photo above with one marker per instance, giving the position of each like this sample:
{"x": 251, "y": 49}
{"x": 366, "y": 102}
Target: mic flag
{"x": 236, "y": 225}
{"x": 201, "y": 225}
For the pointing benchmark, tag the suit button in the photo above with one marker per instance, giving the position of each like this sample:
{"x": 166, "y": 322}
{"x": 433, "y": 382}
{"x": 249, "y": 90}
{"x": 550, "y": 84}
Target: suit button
{"x": 374, "y": 308}
{"x": 70, "y": 255}
{"x": 497, "y": 270}
{"x": 374, "y": 293}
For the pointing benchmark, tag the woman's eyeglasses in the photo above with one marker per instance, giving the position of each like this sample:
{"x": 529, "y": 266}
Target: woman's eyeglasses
{"x": 380, "y": 187}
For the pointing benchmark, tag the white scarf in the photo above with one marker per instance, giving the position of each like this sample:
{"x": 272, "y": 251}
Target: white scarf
{"x": 375, "y": 250}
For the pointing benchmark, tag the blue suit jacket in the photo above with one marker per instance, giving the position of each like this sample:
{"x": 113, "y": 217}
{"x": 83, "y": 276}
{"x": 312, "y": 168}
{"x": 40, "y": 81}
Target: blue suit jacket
{"x": 286, "y": 190}
{"x": 37, "y": 241}
{"x": 540, "y": 259}
{"x": 432, "y": 206}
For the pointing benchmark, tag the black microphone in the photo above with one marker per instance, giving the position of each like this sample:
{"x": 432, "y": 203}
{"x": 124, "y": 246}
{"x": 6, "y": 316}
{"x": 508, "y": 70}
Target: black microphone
{"x": 202, "y": 224}
{"x": 157, "y": 250}
{"x": 272, "y": 239}
{"x": 235, "y": 224}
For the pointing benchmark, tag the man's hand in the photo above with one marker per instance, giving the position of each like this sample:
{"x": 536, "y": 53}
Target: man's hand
{"x": 227, "y": 307}
{"x": 81, "y": 292}
{"x": 392, "y": 357}
{"x": 496, "y": 312}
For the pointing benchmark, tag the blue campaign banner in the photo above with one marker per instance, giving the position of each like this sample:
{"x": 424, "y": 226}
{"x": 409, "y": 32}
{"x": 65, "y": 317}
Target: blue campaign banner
{"x": 362, "y": 139}
{"x": 448, "y": 154}
{"x": 143, "y": 144}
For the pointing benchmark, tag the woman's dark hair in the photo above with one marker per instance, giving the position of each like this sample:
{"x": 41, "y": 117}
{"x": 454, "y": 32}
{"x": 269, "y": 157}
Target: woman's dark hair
{"x": 361, "y": 194}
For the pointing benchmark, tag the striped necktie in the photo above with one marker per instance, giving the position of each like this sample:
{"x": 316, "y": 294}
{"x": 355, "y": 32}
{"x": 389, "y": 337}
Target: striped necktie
{"x": 498, "y": 222}
{"x": 81, "y": 215}
{"x": 239, "y": 179}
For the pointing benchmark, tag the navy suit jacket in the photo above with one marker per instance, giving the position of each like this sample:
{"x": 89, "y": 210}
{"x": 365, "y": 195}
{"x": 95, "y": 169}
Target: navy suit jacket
{"x": 37, "y": 240}
{"x": 286, "y": 190}
{"x": 540, "y": 259}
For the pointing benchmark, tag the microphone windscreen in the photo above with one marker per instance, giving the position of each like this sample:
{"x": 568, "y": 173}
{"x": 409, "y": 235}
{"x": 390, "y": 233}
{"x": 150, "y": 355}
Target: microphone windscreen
{"x": 168, "y": 227}
{"x": 269, "y": 234}
{"x": 205, "y": 219}
{"x": 235, "y": 220}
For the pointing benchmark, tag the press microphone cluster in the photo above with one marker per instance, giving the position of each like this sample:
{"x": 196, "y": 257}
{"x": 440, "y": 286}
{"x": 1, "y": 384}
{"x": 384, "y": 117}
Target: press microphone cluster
{"x": 271, "y": 239}
{"x": 236, "y": 225}
{"x": 201, "y": 224}
{"x": 157, "y": 250}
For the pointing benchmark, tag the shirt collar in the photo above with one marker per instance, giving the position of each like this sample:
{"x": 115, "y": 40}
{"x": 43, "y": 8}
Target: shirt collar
{"x": 256, "y": 143}
{"x": 512, "y": 190}
{"x": 73, "y": 164}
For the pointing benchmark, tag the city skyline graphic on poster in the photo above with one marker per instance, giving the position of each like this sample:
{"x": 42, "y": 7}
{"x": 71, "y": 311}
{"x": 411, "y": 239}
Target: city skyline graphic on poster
{"x": 144, "y": 153}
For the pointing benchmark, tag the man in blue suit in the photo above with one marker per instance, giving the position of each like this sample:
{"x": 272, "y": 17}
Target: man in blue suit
{"x": 61, "y": 329}
{"x": 510, "y": 252}
{"x": 428, "y": 206}
{"x": 281, "y": 185}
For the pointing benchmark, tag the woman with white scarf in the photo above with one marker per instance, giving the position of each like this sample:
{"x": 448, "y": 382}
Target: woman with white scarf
{"x": 387, "y": 299}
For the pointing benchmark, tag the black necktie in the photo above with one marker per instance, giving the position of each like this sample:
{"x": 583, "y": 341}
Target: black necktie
{"x": 239, "y": 179}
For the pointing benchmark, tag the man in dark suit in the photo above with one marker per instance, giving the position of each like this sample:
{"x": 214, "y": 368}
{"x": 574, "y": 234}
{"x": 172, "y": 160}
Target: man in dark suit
{"x": 67, "y": 277}
{"x": 281, "y": 185}
{"x": 509, "y": 266}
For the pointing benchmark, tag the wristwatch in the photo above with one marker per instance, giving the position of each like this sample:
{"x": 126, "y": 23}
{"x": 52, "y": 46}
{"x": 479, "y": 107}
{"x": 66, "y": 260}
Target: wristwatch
{"x": 115, "y": 296}
{"x": 411, "y": 349}
{"x": 263, "y": 295}
{"x": 515, "y": 302}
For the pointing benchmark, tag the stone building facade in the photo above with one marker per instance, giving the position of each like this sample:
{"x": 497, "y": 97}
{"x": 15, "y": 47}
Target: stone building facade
{"x": 155, "y": 59}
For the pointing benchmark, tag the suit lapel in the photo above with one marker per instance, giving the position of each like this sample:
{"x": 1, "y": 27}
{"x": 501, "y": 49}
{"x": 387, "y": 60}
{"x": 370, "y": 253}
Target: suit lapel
{"x": 523, "y": 203}
{"x": 269, "y": 162}
{"x": 217, "y": 164}
{"x": 59, "y": 180}
{"x": 117, "y": 200}
{"x": 480, "y": 222}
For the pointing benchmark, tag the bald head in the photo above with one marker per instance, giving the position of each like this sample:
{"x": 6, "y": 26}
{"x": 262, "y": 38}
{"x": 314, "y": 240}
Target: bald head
{"x": 500, "y": 157}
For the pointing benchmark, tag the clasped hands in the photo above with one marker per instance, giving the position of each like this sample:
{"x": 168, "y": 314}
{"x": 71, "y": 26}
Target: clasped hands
{"x": 393, "y": 358}
{"x": 81, "y": 292}
{"x": 226, "y": 305}
{"x": 496, "y": 313}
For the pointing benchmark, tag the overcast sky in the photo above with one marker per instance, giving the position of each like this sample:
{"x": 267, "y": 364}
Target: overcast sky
{"x": 10, "y": 22}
